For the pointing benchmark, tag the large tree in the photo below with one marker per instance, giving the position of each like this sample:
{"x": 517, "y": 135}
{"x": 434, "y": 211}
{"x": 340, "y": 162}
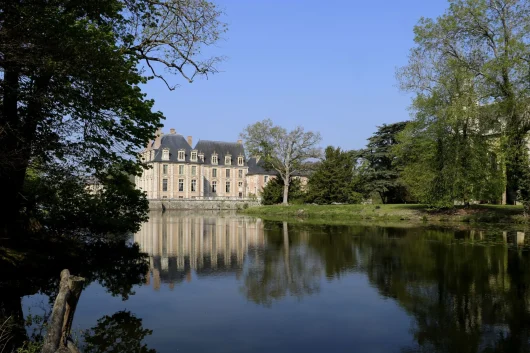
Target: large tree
{"x": 333, "y": 178}
{"x": 283, "y": 151}
{"x": 488, "y": 40}
{"x": 70, "y": 82}
{"x": 378, "y": 172}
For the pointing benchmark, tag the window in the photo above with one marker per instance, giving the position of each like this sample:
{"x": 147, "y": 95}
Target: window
{"x": 181, "y": 184}
{"x": 201, "y": 157}
{"x": 193, "y": 170}
{"x": 194, "y": 156}
{"x": 181, "y": 197}
{"x": 240, "y": 184}
{"x": 164, "y": 184}
{"x": 214, "y": 173}
{"x": 164, "y": 169}
{"x": 266, "y": 178}
{"x": 215, "y": 159}
{"x": 240, "y": 173}
{"x": 165, "y": 155}
{"x": 193, "y": 185}
{"x": 227, "y": 186}
{"x": 181, "y": 169}
{"x": 228, "y": 160}
{"x": 228, "y": 173}
{"x": 214, "y": 186}
{"x": 182, "y": 155}
{"x": 240, "y": 160}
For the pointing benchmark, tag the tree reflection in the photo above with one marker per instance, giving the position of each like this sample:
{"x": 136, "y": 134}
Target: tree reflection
{"x": 285, "y": 267}
{"x": 117, "y": 264}
{"x": 119, "y": 333}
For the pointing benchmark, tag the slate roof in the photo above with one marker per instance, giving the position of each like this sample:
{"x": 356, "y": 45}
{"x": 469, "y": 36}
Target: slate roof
{"x": 255, "y": 167}
{"x": 174, "y": 142}
{"x": 222, "y": 149}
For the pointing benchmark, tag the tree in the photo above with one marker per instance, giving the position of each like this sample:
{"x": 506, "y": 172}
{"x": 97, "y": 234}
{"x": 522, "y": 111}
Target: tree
{"x": 272, "y": 193}
{"x": 282, "y": 151}
{"x": 71, "y": 71}
{"x": 332, "y": 179}
{"x": 486, "y": 39}
{"x": 379, "y": 174}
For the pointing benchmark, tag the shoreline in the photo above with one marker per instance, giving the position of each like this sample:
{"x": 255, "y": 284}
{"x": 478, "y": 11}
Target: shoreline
{"x": 475, "y": 215}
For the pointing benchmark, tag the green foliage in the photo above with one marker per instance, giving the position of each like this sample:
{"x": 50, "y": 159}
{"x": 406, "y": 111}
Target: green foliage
{"x": 378, "y": 173}
{"x": 446, "y": 153}
{"x": 272, "y": 193}
{"x": 285, "y": 152}
{"x": 70, "y": 92}
{"x": 470, "y": 63}
{"x": 332, "y": 179}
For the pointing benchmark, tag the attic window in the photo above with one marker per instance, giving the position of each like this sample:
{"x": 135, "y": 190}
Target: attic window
{"x": 228, "y": 160}
{"x": 240, "y": 161}
{"x": 165, "y": 154}
{"x": 215, "y": 159}
{"x": 201, "y": 157}
{"x": 194, "y": 156}
{"x": 182, "y": 155}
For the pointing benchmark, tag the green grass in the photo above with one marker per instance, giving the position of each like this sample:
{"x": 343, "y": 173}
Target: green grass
{"x": 390, "y": 213}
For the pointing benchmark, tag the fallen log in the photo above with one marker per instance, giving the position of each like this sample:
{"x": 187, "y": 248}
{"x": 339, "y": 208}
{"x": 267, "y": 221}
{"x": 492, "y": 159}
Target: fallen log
{"x": 58, "y": 335}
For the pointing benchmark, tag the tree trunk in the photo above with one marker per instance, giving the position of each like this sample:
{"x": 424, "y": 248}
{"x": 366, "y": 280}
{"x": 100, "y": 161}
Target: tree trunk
{"x": 286, "y": 192}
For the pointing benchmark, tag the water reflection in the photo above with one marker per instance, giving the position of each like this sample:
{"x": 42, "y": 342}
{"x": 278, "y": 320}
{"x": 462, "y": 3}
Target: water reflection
{"x": 466, "y": 290}
{"x": 179, "y": 243}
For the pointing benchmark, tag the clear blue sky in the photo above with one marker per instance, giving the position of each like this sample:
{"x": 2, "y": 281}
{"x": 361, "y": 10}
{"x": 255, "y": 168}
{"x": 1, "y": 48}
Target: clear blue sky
{"x": 326, "y": 65}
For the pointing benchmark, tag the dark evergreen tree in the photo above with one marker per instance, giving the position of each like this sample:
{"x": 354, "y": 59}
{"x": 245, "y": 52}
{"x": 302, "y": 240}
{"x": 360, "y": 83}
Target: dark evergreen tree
{"x": 332, "y": 180}
{"x": 272, "y": 193}
{"x": 378, "y": 172}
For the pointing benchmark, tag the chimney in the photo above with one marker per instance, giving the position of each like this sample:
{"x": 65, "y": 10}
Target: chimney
{"x": 239, "y": 142}
{"x": 172, "y": 131}
{"x": 190, "y": 140}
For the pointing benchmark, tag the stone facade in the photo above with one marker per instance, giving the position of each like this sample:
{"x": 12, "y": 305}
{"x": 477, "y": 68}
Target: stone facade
{"x": 210, "y": 170}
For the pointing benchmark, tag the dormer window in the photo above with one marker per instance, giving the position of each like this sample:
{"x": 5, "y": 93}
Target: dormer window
{"x": 201, "y": 157}
{"x": 165, "y": 154}
{"x": 240, "y": 161}
{"x": 182, "y": 155}
{"x": 228, "y": 160}
{"x": 215, "y": 159}
{"x": 194, "y": 156}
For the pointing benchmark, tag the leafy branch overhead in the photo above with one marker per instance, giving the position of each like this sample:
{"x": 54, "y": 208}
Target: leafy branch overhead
{"x": 169, "y": 36}
{"x": 71, "y": 78}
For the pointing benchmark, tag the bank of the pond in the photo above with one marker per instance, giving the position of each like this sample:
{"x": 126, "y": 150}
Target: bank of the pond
{"x": 390, "y": 213}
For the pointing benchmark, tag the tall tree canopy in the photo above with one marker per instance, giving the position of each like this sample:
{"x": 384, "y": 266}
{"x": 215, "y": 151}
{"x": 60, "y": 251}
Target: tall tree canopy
{"x": 332, "y": 179}
{"x": 71, "y": 71}
{"x": 378, "y": 172}
{"x": 281, "y": 150}
{"x": 482, "y": 44}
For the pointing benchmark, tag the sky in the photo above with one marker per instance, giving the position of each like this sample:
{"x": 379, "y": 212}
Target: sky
{"x": 328, "y": 66}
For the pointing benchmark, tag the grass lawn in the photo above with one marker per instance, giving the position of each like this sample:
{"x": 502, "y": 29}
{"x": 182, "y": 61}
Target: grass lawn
{"x": 392, "y": 213}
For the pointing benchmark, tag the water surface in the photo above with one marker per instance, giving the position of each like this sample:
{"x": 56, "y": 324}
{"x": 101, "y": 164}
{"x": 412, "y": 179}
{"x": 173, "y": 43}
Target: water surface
{"x": 225, "y": 283}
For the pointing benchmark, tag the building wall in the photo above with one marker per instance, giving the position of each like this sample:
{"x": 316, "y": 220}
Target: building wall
{"x": 152, "y": 181}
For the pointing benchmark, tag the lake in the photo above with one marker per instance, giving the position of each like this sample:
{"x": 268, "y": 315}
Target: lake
{"x": 228, "y": 283}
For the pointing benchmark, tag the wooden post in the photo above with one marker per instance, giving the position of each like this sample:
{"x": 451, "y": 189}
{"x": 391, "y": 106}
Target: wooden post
{"x": 57, "y": 337}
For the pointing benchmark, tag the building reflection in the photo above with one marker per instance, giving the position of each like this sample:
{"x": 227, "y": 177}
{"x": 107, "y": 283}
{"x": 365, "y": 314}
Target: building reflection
{"x": 181, "y": 245}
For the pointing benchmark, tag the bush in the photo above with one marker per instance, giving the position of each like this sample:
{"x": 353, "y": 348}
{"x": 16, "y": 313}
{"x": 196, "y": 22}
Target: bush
{"x": 272, "y": 193}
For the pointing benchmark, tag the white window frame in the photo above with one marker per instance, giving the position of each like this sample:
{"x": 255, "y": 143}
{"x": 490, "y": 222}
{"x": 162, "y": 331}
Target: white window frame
{"x": 214, "y": 186}
{"x": 194, "y": 185}
{"x": 182, "y": 155}
{"x": 228, "y": 160}
{"x": 215, "y": 159}
{"x": 194, "y": 156}
{"x": 165, "y": 154}
{"x": 240, "y": 161}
